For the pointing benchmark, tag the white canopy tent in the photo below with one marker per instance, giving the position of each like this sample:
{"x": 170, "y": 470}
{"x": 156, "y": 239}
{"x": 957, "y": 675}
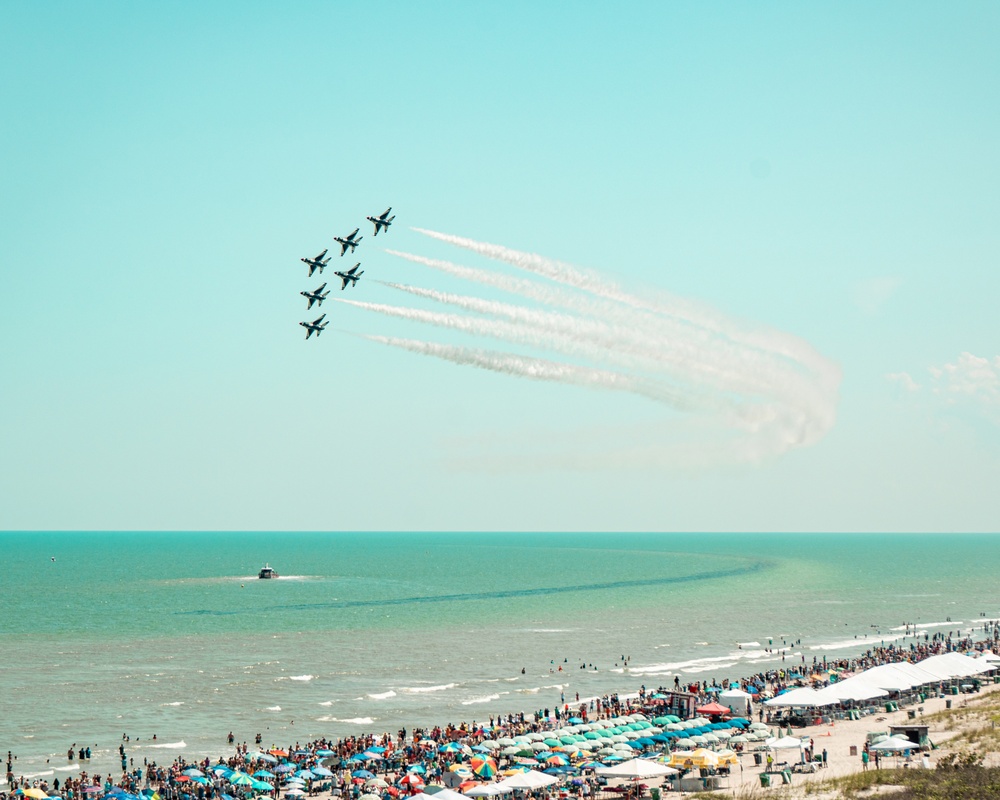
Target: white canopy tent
{"x": 528, "y": 780}
{"x": 853, "y": 689}
{"x": 636, "y": 768}
{"x": 802, "y": 697}
{"x": 894, "y": 744}
{"x": 737, "y": 701}
{"x": 488, "y": 790}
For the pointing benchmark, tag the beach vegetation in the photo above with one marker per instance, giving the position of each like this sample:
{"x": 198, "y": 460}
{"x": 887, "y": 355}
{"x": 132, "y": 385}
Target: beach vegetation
{"x": 959, "y": 776}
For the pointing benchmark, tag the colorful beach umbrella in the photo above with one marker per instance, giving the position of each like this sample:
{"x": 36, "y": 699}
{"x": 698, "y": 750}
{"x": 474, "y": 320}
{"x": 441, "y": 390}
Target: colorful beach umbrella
{"x": 485, "y": 768}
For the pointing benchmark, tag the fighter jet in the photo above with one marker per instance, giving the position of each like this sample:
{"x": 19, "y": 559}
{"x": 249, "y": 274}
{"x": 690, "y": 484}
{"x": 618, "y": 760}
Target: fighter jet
{"x": 382, "y": 221}
{"x": 351, "y": 276}
{"x": 316, "y": 263}
{"x": 316, "y": 297}
{"x": 348, "y": 241}
{"x": 314, "y": 327}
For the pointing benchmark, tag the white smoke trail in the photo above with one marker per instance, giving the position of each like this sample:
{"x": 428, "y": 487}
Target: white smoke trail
{"x": 772, "y": 391}
{"x": 536, "y": 369}
{"x": 788, "y": 346}
{"x": 795, "y": 373}
{"x": 701, "y": 364}
{"x": 566, "y": 341}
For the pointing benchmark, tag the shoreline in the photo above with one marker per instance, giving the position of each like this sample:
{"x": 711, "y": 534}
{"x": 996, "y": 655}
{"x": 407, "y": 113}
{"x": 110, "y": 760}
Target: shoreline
{"x": 835, "y": 738}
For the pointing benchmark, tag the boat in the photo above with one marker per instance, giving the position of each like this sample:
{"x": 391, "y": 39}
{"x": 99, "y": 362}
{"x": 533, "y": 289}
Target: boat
{"x": 266, "y": 572}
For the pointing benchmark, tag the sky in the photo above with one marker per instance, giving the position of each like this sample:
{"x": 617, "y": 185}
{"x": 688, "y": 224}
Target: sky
{"x": 654, "y": 266}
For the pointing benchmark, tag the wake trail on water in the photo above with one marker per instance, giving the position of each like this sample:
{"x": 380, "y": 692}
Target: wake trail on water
{"x": 503, "y": 594}
{"x": 762, "y": 390}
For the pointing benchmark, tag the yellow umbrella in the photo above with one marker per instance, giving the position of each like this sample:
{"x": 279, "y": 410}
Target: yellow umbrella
{"x": 35, "y": 792}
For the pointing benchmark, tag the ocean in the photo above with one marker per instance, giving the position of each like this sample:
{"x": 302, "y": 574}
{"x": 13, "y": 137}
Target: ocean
{"x": 172, "y": 634}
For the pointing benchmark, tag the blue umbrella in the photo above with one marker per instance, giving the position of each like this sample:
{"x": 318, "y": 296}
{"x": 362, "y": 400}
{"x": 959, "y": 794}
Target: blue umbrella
{"x": 323, "y": 772}
{"x": 362, "y": 773}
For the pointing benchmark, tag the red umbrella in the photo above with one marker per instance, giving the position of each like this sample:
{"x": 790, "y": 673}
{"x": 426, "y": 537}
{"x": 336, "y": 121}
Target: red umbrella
{"x": 714, "y": 709}
{"x": 413, "y": 781}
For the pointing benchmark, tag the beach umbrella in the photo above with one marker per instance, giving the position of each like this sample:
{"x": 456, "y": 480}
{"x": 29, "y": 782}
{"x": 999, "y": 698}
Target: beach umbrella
{"x": 265, "y": 757}
{"x": 261, "y": 786}
{"x": 34, "y": 792}
{"x": 305, "y": 773}
{"x": 369, "y": 796}
{"x": 323, "y": 772}
{"x": 485, "y": 768}
{"x": 412, "y": 781}
{"x": 240, "y": 779}
{"x": 294, "y": 791}
{"x": 263, "y": 773}
{"x": 512, "y": 750}
{"x": 550, "y": 742}
{"x": 283, "y": 768}
{"x": 376, "y": 783}
{"x": 362, "y": 773}
{"x": 278, "y": 752}
{"x": 557, "y": 760}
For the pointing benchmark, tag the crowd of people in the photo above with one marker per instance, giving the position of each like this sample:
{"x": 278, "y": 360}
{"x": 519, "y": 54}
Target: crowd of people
{"x": 391, "y": 755}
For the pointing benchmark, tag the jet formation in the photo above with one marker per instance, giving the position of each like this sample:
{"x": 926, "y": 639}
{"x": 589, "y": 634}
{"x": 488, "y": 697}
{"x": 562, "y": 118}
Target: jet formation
{"x": 351, "y": 276}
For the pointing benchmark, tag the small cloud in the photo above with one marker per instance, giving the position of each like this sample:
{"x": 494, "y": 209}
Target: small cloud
{"x": 870, "y": 295}
{"x": 971, "y": 382}
{"x": 970, "y": 377}
{"x": 903, "y": 379}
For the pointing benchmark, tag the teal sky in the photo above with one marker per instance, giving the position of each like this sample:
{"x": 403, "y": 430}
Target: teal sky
{"x": 824, "y": 175}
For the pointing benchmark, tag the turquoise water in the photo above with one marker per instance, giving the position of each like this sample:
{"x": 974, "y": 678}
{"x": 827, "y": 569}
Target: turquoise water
{"x": 172, "y": 633}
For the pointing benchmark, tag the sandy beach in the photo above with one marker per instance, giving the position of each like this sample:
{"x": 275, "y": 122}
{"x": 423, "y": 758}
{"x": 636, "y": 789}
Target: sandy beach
{"x": 838, "y": 739}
